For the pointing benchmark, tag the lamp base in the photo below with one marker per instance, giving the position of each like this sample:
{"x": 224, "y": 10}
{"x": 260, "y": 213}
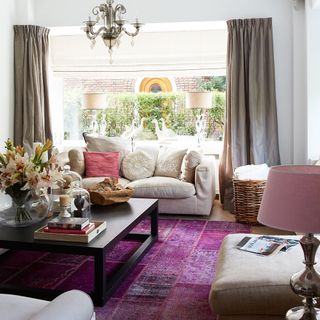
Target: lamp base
{"x": 298, "y": 313}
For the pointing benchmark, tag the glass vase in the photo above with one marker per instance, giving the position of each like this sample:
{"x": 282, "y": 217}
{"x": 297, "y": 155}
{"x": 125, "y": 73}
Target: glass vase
{"x": 25, "y": 208}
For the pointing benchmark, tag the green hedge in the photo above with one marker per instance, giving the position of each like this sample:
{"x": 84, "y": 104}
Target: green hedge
{"x": 169, "y": 106}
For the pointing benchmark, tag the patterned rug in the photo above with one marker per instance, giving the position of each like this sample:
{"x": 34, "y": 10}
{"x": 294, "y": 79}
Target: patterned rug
{"x": 171, "y": 282}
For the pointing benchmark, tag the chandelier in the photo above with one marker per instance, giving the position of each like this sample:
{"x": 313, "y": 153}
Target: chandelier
{"x": 113, "y": 25}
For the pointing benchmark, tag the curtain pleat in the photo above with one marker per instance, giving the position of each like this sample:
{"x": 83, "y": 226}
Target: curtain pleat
{"x": 32, "y": 114}
{"x": 251, "y": 129}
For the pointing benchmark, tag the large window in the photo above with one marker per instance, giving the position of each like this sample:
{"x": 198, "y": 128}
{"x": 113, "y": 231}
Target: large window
{"x": 145, "y": 83}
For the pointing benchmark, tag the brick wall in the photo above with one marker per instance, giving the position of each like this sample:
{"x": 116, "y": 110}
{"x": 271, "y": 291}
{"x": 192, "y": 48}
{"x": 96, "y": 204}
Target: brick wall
{"x": 183, "y": 84}
{"x": 101, "y": 85}
{"x": 187, "y": 84}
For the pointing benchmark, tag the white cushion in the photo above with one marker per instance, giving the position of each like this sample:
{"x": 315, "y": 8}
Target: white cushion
{"x": 169, "y": 162}
{"x": 76, "y": 161}
{"x": 92, "y": 181}
{"x": 151, "y": 150}
{"x": 191, "y": 160}
{"x": 70, "y": 305}
{"x": 107, "y": 144}
{"x": 14, "y": 307}
{"x": 137, "y": 165}
{"x": 162, "y": 188}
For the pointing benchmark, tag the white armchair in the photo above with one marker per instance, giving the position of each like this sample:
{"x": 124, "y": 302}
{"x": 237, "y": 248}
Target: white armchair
{"x": 71, "y": 305}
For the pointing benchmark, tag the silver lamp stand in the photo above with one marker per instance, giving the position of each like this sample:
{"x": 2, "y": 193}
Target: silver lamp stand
{"x": 306, "y": 283}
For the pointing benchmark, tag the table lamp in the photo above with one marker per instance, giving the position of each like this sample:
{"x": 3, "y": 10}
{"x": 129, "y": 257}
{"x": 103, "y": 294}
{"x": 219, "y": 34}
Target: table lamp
{"x": 199, "y": 100}
{"x": 291, "y": 201}
{"x": 94, "y": 102}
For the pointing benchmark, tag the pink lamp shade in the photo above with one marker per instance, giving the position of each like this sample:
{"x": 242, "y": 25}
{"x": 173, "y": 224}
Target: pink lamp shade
{"x": 291, "y": 199}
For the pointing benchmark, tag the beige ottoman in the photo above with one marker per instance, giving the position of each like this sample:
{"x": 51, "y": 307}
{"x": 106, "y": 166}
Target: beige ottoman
{"x": 248, "y": 286}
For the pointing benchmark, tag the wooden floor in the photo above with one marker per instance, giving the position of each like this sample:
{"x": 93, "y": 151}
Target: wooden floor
{"x": 218, "y": 214}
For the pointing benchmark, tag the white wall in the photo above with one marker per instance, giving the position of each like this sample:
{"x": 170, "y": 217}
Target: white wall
{"x": 7, "y": 18}
{"x": 14, "y": 12}
{"x": 300, "y": 132}
{"x": 73, "y": 12}
{"x": 313, "y": 79}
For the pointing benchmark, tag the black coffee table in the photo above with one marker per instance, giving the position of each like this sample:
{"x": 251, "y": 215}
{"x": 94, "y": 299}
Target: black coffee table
{"x": 121, "y": 219}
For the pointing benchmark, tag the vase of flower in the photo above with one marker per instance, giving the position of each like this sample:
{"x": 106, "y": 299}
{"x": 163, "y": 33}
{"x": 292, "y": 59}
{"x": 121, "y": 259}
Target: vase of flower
{"x": 25, "y": 208}
{"x": 26, "y": 179}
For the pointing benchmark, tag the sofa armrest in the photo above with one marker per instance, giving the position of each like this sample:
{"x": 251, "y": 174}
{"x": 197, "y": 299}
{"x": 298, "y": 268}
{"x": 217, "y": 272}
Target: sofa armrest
{"x": 71, "y": 305}
{"x": 205, "y": 185}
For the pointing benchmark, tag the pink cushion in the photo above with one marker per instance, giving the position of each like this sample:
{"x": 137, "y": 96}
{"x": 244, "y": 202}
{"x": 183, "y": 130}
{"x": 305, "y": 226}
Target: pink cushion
{"x": 102, "y": 164}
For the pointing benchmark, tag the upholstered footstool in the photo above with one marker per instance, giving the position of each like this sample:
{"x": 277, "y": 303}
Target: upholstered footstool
{"x": 248, "y": 286}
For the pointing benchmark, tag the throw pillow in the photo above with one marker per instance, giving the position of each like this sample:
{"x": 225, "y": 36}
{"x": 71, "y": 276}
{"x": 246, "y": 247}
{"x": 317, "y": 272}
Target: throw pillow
{"x": 169, "y": 162}
{"x": 107, "y": 144}
{"x": 191, "y": 160}
{"x": 76, "y": 161}
{"x": 102, "y": 164}
{"x": 138, "y": 165}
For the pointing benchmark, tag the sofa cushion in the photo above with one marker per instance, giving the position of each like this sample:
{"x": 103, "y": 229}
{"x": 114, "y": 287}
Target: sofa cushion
{"x": 137, "y": 165}
{"x": 162, "y": 188}
{"x": 15, "y": 307}
{"x": 191, "y": 160}
{"x": 92, "y": 181}
{"x": 152, "y": 150}
{"x": 76, "y": 161}
{"x": 169, "y": 162}
{"x": 108, "y": 144}
{"x": 102, "y": 164}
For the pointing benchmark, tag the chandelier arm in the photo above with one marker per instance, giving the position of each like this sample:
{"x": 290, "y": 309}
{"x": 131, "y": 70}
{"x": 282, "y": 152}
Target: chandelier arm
{"x": 89, "y": 36}
{"x": 92, "y": 35}
{"x": 131, "y": 34}
{"x": 120, "y": 9}
{"x": 96, "y": 10}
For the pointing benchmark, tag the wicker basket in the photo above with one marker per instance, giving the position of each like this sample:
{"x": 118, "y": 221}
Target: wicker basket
{"x": 247, "y": 199}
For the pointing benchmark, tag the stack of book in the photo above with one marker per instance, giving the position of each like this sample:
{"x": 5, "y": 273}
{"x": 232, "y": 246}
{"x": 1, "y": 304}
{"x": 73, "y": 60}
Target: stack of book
{"x": 69, "y": 226}
{"x": 70, "y": 229}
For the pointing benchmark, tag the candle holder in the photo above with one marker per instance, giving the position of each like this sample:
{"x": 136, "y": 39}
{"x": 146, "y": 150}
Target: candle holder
{"x": 64, "y": 213}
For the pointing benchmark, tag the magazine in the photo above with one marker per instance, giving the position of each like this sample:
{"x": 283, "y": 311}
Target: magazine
{"x": 266, "y": 245}
{"x": 289, "y": 243}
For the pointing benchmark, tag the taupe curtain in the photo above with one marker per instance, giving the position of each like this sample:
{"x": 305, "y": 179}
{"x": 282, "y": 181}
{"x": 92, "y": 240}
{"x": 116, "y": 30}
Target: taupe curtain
{"x": 31, "y": 51}
{"x": 251, "y": 132}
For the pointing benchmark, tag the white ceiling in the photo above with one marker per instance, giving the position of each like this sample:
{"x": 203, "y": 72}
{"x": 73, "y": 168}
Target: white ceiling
{"x": 181, "y": 49}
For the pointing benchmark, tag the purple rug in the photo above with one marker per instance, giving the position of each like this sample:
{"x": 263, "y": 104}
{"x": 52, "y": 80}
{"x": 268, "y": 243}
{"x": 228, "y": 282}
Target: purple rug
{"x": 171, "y": 282}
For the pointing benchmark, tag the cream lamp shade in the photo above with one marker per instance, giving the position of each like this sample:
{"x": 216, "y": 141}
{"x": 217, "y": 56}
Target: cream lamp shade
{"x": 94, "y": 101}
{"x": 200, "y": 100}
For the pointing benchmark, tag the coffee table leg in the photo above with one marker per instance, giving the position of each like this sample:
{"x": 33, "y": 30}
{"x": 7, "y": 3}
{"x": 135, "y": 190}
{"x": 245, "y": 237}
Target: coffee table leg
{"x": 154, "y": 222}
{"x": 100, "y": 285}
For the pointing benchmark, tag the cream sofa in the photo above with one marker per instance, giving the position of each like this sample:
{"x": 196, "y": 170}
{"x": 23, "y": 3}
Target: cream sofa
{"x": 71, "y": 305}
{"x": 175, "y": 196}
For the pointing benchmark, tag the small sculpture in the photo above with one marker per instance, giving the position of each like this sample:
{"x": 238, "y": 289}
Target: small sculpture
{"x": 165, "y": 133}
{"x": 79, "y": 204}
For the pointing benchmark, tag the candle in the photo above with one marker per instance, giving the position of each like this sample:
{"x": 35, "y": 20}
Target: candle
{"x": 64, "y": 200}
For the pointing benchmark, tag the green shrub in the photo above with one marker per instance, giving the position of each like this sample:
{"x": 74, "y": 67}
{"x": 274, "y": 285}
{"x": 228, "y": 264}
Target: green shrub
{"x": 169, "y": 106}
